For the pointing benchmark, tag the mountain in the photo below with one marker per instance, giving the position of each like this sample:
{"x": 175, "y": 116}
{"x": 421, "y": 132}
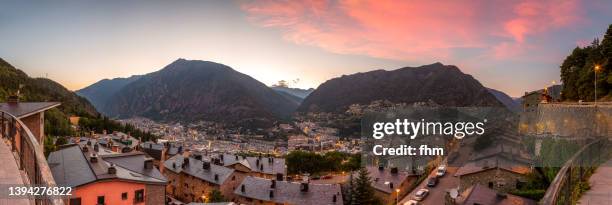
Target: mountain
{"x": 445, "y": 85}
{"x": 298, "y": 92}
{"x": 192, "y": 90}
{"x": 44, "y": 90}
{"x": 100, "y": 92}
{"x": 509, "y": 102}
{"x": 41, "y": 90}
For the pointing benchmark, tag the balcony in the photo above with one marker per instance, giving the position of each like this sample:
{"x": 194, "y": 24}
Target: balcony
{"x": 22, "y": 157}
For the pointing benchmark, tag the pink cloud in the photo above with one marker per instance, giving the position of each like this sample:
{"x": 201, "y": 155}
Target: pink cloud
{"x": 414, "y": 30}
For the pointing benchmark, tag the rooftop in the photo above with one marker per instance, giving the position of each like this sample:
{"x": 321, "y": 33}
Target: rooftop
{"x": 195, "y": 168}
{"x": 289, "y": 192}
{"x": 25, "y": 109}
{"x": 479, "y": 194}
{"x": 72, "y": 166}
{"x": 382, "y": 179}
{"x": 266, "y": 165}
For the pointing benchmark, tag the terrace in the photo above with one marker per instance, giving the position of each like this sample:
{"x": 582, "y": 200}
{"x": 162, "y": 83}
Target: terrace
{"x": 21, "y": 152}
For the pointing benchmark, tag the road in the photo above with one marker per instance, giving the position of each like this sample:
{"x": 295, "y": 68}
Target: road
{"x": 447, "y": 182}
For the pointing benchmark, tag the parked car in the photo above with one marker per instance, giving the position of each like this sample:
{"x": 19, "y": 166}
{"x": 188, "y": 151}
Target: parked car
{"x": 411, "y": 202}
{"x": 421, "y": 194}
{"x": 441, "y": 171}
{"x": 432, "y": 182}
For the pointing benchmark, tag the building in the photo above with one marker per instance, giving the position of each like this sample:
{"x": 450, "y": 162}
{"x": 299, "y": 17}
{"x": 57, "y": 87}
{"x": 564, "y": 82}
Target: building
{"x": 32, "y": 114}
{"x": 479, "y": 194}
{"x": 500, "y": 172}
{"x": 119, "y": 178}
{"x": 119, "y": 141}
{"x": 387, "y": 182}
{"x": 264, "y": 167}
{"x": 191, "y": 179}
{"x": 258, "y": 191}
{"x": 159, "y": 151}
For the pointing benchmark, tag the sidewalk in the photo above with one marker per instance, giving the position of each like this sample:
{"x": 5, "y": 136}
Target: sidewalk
{"x": 9, "y": 173}
{"x": 601, "y": 186}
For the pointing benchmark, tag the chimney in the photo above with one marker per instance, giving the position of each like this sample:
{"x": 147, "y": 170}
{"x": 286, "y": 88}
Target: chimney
{"x": 150, "y": 145}
{"x": 148, "y": 163}
{"x": 14, "y": 99}
{"x": 221, "y": 157}
{"x": 96, "y": 148}
{"x": 304, "y": 187}
{"x": 206, "y": 165}
{"x": 390, "y": 185}
{"x": 334, "y": 199}
{"x": 279, "y": 177}
{"x": 216, "y": 177}
{"x": 270, "y": 160}
{"x": 112, "y": 169}
{"x": 236, "y": 157}
{"x": 85, "y": 149}
{"x": 257, "y": 162}
{"x": 261, "y": 167}
{"x": 273, "y": 184}
{"x": 93, "y": 158}
{"x": 242, "y": 189}
{"x": 271, "y": 193}
{"x": 89, "y": 142}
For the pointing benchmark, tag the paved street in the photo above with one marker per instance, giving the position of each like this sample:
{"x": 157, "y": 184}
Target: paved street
{"x": 601, "y": 186}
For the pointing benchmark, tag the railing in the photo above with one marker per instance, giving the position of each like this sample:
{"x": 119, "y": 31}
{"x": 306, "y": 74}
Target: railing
{"x": 29, "y": 155}
{"x": 562, "y": 189}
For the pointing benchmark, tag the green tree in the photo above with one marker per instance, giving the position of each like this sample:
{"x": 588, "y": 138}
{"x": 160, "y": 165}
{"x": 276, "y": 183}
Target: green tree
{"x": 363, "y": 193}
{"x": 578, "y": 71}
{"x": 215, "y": 196}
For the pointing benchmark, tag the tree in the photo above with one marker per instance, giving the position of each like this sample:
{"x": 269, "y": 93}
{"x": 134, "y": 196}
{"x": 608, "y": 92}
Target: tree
{"x": 578, "y": 74}
{"x": 363, "y": 193}
{"x": 215, "y": 196}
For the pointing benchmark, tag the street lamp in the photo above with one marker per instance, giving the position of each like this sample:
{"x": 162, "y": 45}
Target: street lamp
{"x": 597, "y": 68}
{"x": 397, "y": 196}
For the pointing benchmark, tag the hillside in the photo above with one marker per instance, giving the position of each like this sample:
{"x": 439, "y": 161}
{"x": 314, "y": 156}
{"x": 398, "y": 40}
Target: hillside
{"x": 445, "y": 85}
{"x": 100, "y": 92}
{"x": 192, "y": 90}
{"x": 508, "y": 101}
{"x": 41, "y": 89}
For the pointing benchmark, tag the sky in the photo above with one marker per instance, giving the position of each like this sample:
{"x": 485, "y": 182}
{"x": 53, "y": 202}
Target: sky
{"x": 510, "y": 45}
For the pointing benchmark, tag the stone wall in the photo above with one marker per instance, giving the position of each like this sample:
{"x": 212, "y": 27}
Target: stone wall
{"x": 568, "y": 120}
{"x": 497, "y": 179}
{"x": 155, "y": 194}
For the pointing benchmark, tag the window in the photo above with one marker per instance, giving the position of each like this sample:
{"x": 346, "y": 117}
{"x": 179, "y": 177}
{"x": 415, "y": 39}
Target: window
{"x": 139, "y": 196}
{"x": 100, "y": 200}
{"x": 75, "y": 201}
{"x": 124, "y": 196}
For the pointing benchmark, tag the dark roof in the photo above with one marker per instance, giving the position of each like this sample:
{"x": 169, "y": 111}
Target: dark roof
{"x": 155, "y": 149}
{"x": 71, "y": 166}
{"x": 381, "y": 179}
{"x": 25, "y": 109}
{"x": 274, "y": 166}
{"x": 289, "y": 192}
{"x": 195, "y": 169}
{"x": 479, "y": 194}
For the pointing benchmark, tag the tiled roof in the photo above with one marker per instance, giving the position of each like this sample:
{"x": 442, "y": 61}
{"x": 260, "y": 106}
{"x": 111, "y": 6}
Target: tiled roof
{"x": 266, "y": 165}
{"x": 479, "y": 194}
{"x": 195, "y": 169}
{"x": 381, "y": 179}
{"x": 71, "y": 166}
{"x": 289, "y": 192}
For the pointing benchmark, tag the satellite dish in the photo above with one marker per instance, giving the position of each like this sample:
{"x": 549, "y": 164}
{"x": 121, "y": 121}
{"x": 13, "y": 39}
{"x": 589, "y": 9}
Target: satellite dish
{"x": 453, "y": 193}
